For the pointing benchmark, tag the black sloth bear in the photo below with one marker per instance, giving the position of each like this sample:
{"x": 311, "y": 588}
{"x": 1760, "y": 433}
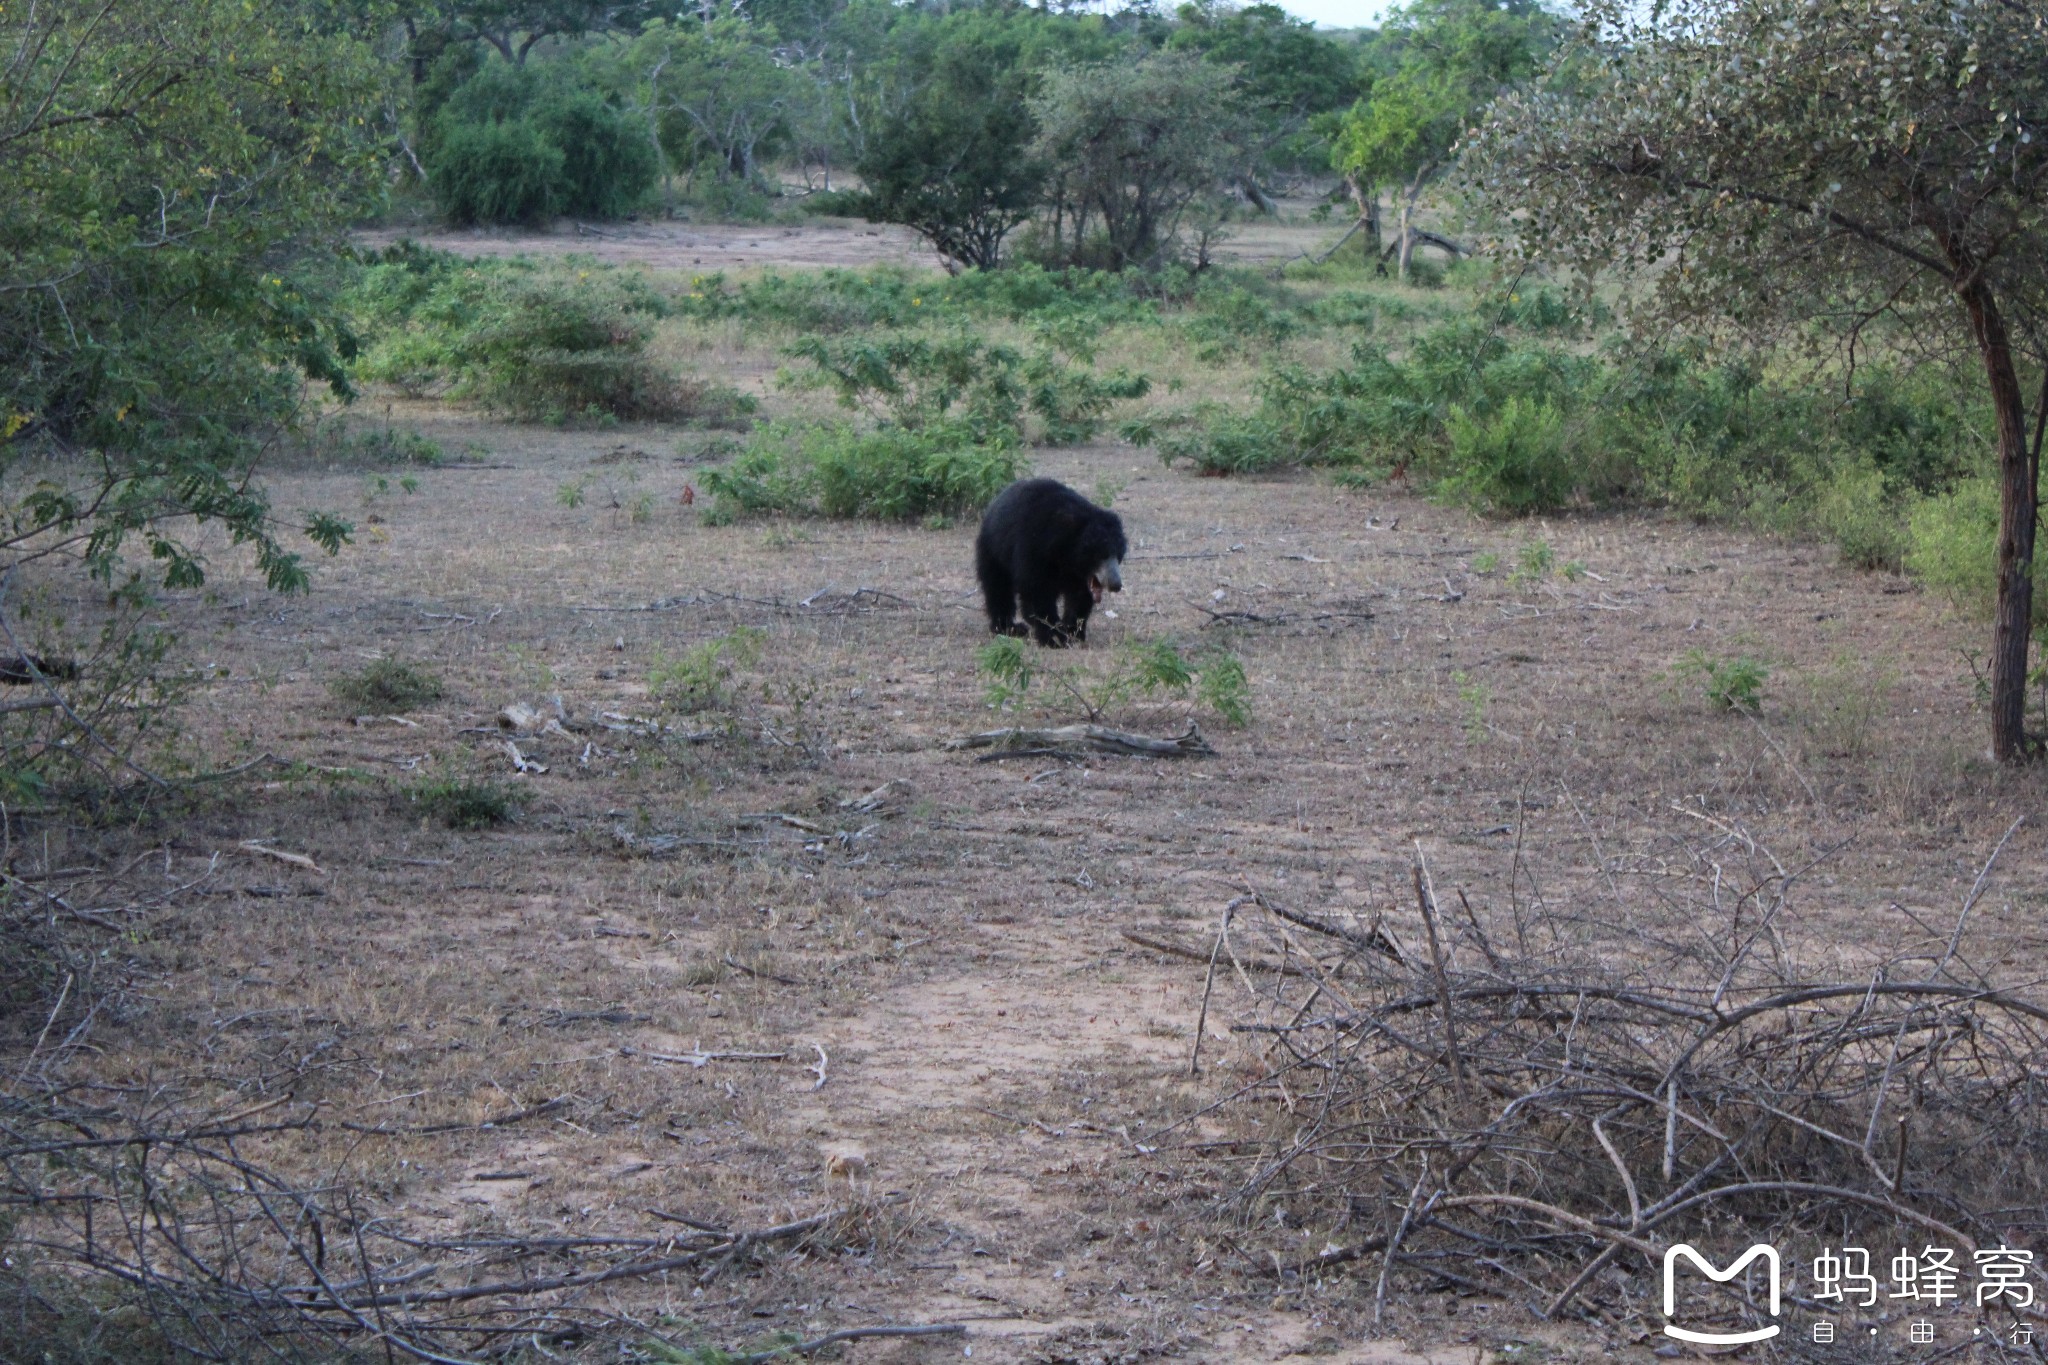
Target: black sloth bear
{"x": 1044, "y": 546}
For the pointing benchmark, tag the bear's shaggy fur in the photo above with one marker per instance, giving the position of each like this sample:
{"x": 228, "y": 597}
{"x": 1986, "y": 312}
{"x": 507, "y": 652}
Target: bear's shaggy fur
{"x": 1046, "y": 548}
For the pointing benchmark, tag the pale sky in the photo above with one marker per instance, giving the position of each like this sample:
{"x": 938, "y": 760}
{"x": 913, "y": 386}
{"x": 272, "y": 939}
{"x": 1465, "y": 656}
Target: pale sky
{"x": 1337, "y": 13}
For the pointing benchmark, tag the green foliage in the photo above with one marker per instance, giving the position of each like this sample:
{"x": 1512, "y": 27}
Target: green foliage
{"x": 497, "y": 173}
{"x": 519, "y": 144}
{"x": 913, "y": 382}
{"x": 1231, "y": 320}
{"x": 387, "y": 686}
{"x": 1288, "y": 72}
{"x": 1221, "y": 685}
{"x": 170, "y": 187}
{"x": 1534, "y": 563}
{"x": 1217, "y": 441}
{"x": 942, "y": 469}
{"x": 1836, "y": 171}
{"x": 1009, "y": 666}
{"x": 1150, "y": 669}
{"x": 1729, "y": 684}
{"x": 949, "y": 158}
{"x": 1515, "y": 461}
{"x": 1952, "y": 546}
{"x": 721, "y": 97}
{"x": 467, "y": 803}
{"x": 1858, "y": 512}
{"x": 538, "y": 342}
{"x": 1474, "y": 697}
{"x": 700, "y": 678}
{"x": 1432, "y": 68}
{"x": 1131, "y": 147}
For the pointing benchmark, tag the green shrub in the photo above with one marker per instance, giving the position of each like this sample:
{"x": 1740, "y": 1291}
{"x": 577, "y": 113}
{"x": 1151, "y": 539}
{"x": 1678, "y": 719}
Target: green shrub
{"x": 700, "y": 678}
{"x": 1232, "y": 320}
{"x": 1141, "y": 668}
{"x": 519, "y": 144}
{"x": 497, "y": 173}
{"x": 1729, "y": 684}
{"x": 891, "y": 474}
{"x": 387, "y": 686}
{"x": 1854, "y": 510}
{"x": 467, "y": 803}
{"x": 1217, "y": 441}
{"x": 913, "y": 382}
{"x": 540, "y": 343}
{"x": 1952, "y": 546}
{"x": 1515, "y": 461}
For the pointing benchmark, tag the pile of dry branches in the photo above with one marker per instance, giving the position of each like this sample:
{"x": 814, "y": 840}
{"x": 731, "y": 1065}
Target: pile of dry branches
{"x": 218, "y": 1257}
{"x": 1534, "y": 1104}
{"x": 144, "y": 1222}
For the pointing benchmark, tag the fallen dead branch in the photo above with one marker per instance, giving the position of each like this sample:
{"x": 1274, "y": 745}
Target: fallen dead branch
{"x": 699, "y": 1059}
{"x": 1099, "y": 738}
{"x": 1536, "y": 1106}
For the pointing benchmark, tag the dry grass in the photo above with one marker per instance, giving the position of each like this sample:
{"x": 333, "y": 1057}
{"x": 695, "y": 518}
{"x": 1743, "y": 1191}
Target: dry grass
{"x": 997, "y": 1048}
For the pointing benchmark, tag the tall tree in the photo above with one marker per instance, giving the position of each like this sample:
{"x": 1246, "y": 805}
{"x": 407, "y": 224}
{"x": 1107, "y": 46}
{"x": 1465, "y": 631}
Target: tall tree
{"x": 1852, "y": 164}
{"x": 951, "y": 158}
{"x": 714, "y": 91}
{"x": 1431, "y": 71}
{"x": 1133, "y": 144}
{"x": 1287, "y": 71}
{"x": 514, "y": 27}
{"x": 165, "y": 165}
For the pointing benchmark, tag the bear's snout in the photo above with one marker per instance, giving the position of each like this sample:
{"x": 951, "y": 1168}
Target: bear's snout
{"x": 1109, "y": 577}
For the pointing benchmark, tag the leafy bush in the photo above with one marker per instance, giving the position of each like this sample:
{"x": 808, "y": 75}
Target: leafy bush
{"x": 700, "y": 678}
{"x": 519, "y": 144}
{"x": 913, "y": 382}
{"x": 537, "y": 342}
{"x": 1233, "y": 320}
{"x": 1855, "y": 511}
{"x": 943, "y": 469}
{"x": 386, "y": 686}
{"x": 1730, "y": 684}
{"x": 1515, "y": 461}
{"x": 1214, "y": 676}
{"x": 497, "y": 173}
{"x": 467, "y": 803}
{"x": 1217, "y": 441}
{"x": 1952, "y": 546}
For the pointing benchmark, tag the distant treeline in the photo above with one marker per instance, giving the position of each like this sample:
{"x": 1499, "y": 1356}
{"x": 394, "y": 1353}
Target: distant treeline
{"x": 1110, "y": 140}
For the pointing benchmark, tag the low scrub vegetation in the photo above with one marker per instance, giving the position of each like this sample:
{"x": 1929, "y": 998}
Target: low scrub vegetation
{"x": 1141, "y": 671}
{"x": 540, "y": 343}
{"x": 386, "y": 686}
{"x": 834, "y": 469}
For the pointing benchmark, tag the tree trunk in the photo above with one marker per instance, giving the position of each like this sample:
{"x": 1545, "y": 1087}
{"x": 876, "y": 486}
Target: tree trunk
{"x": 2018, "y": 499}
{"x": 668, "y": 176}
{"x": 1408, "y": 216}
{"x": 1368, "y": 202}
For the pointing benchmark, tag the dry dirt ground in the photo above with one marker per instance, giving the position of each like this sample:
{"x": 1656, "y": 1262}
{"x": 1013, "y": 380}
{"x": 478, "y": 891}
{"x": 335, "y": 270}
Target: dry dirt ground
{"x": 945, "y": 969}
{"x": 810, "y": 244}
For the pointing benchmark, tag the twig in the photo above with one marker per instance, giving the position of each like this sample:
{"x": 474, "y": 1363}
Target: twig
{"x": 698, "y": 1059}
{"x": 755, "y": 972}
{"x": 1208, "y": 985}
{"x": 1443, "y": 982}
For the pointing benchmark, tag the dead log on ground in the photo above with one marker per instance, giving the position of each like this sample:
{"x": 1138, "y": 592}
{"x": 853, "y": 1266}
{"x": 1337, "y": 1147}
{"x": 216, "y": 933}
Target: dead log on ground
{"x": 1098, "y": 737}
